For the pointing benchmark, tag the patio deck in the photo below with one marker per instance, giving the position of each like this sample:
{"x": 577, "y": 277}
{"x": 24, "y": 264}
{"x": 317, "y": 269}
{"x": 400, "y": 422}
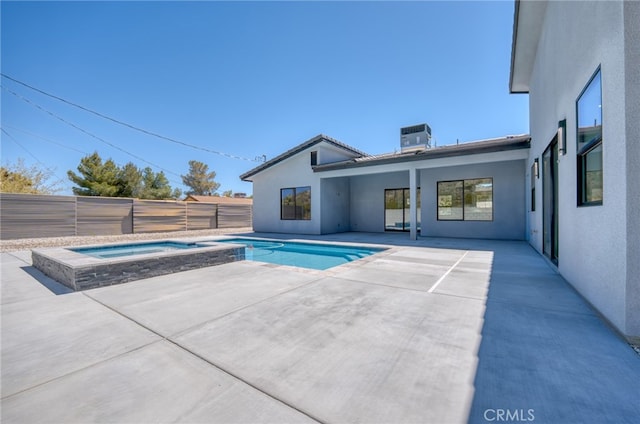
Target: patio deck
{"x": 429, "y": 331}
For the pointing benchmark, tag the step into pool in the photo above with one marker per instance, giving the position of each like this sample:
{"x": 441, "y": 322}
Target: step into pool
{"x": 304, "y": 255}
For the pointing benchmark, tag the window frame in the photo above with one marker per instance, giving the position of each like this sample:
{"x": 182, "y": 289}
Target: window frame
{"x": 583, "y": 151}
{"x": 464, "y": 217}
{"x": 302, "y": 216}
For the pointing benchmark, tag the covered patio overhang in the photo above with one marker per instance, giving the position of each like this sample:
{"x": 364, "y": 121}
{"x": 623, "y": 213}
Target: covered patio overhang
{"x": 410, "y": 173}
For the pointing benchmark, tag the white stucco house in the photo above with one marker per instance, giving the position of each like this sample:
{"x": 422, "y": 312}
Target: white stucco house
{"x": 324, "y": 186}
{"x": 570, "y": 187}
{"x": 580, "y": 64}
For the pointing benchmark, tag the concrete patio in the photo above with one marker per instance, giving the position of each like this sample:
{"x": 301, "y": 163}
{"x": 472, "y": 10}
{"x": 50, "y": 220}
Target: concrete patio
{"x": 429, "y": 331}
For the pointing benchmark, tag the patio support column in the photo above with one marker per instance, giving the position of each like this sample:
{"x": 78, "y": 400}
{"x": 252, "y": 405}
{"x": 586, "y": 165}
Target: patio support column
{"x": 413, "y": 207}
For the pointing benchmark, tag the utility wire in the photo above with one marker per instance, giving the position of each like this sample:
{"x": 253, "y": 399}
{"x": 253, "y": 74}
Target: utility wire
{"x": 20, "y": 145}
{"x": 45, "y": 139}
{"x": 62, "y": 145}
{"x": 50, "y": 170}
{"x": 86, "y": 132}
{"x": 133, "y": 127}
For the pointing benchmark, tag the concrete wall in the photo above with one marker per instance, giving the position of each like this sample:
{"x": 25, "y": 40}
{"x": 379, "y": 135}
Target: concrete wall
{"x": 576, "y": 38}
{"x": 509, "y": 201}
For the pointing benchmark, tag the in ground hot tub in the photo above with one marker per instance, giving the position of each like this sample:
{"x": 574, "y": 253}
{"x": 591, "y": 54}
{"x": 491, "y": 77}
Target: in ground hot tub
{"x": 83, "y": 268}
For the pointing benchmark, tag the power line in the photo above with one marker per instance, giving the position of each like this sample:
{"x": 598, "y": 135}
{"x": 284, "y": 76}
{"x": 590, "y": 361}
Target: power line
{"x": 20, "y": 145}
{"x": 133, "y": 127}
{"x": 48, "y": 169}
{"x": 46, "y": 139}
{"x": 86, "y": 132}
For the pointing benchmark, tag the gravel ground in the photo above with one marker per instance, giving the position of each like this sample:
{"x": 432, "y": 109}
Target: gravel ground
{"x": 32, "y": 243}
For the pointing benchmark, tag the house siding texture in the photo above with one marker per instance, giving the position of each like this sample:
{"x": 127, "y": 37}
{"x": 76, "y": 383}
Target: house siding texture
{"x": 596, "y": 243}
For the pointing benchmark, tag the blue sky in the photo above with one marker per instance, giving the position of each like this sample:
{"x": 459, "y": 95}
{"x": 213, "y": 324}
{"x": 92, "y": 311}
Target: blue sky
{"x": 250, "y": 78}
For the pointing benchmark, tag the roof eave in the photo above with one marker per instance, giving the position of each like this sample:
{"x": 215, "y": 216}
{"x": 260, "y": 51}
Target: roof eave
{"x": 473, "y": 148}
{"x": 527, "y": 25}
{"x": 299, "y": 148}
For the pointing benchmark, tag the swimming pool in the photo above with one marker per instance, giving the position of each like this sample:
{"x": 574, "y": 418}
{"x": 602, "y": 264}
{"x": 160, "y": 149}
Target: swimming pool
{"x": 83, "y": 268}
{"x": 305, "y": 255}
{"x": 131, "y": 249}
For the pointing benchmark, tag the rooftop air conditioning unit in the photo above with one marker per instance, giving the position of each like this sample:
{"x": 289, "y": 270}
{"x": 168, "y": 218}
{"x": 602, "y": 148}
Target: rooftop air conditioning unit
{"x": 415, "y": 138}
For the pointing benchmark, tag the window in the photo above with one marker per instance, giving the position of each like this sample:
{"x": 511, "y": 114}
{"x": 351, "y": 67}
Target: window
{"x": 450, "y": 200}
{"x": 589, "y": 143}
{"x": 465, "y": 200}
{"x": 314, "y": 158}
{"x": 295, "y": 203}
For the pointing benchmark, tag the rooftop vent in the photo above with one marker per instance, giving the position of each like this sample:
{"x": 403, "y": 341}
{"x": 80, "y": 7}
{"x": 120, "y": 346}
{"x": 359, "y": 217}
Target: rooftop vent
{"x": 415, "y": 138}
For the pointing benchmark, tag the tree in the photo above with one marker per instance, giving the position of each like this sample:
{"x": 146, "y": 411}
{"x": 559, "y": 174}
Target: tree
{"x": 156, "y": 186}
{"x": 108, "y": 179}
{"x": 97, "y": 178}
{"x": 199, "y": 179}
{"x": 129, "y": 181}
{"x": 228, "y": 193}
{"x": 18, "y": 178}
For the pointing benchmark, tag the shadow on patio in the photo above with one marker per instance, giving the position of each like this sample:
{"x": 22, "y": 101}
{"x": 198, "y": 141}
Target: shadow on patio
{"x": 545, "y": 354}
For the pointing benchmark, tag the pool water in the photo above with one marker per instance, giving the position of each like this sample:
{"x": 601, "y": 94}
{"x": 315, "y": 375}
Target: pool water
{"x": 304, "y": 255}
{"x": 105, "y": 252}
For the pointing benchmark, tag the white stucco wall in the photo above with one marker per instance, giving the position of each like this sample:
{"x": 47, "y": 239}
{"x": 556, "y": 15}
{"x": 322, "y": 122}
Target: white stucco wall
{"x": 335, "y": 207}
{"x": 508, "y": 201}
{"x": 367, "y": 199}
{"x": 575, "y": 39}
{"x": 632, "y": 102}
{"x": 295, "y": 171}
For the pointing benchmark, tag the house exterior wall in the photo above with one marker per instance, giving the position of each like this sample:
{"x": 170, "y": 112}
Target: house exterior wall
{"x": 330, "y": 154}
{"x": 330, "y": 215}
{"x": 293, "y": 172}
{"x": 508, "y": 201}
{"x": 576, "y": 39}
{"x": 335, "y": 194}
{"x": 632, "y": 104}
{"x": 367, "y": 199}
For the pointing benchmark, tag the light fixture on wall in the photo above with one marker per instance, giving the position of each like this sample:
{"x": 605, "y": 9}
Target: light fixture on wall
{"x": 536, "y": 168}
{"x": 562, "y": 137}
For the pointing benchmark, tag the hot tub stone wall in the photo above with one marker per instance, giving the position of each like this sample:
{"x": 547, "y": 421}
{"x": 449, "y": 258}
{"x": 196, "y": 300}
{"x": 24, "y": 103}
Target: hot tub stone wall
{"x": 87, "y": 277}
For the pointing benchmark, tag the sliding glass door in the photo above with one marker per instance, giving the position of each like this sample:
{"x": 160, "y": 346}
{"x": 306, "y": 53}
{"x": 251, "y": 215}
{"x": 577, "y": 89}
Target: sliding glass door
{"x": 397, "y": 204}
